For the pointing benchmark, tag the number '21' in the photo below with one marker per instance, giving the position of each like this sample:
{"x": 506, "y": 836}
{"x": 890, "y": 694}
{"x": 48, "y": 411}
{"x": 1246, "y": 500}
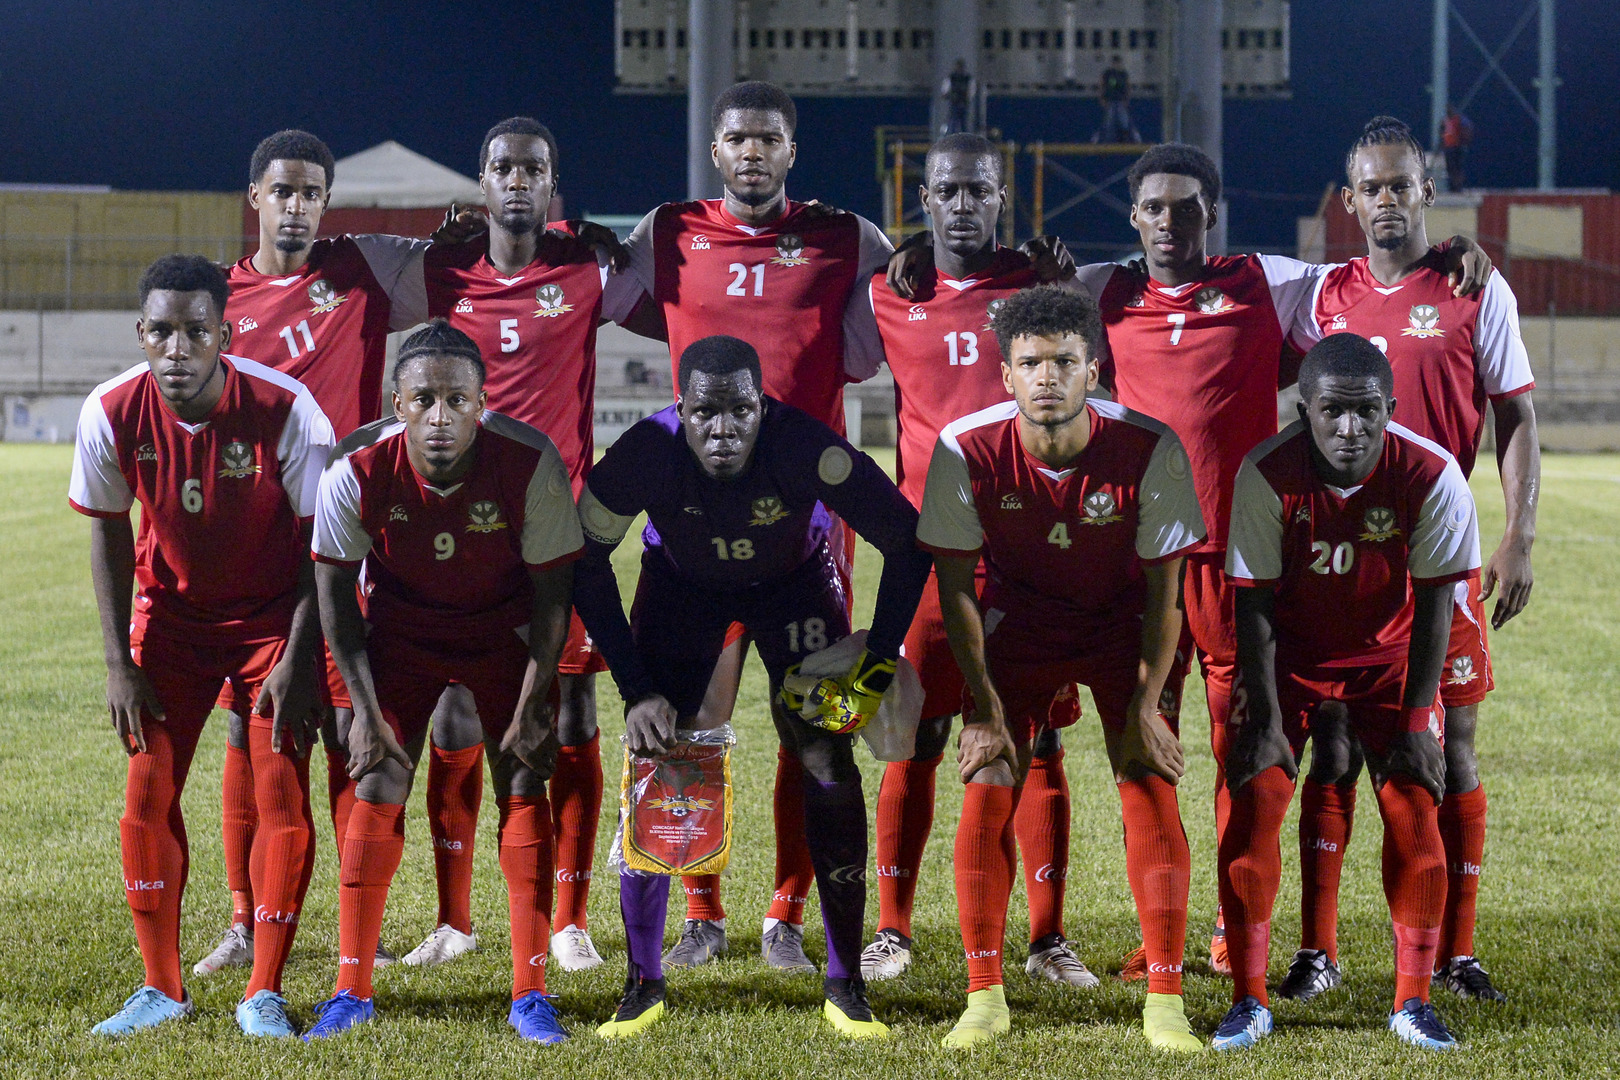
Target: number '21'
{"x": 738, "y": 286}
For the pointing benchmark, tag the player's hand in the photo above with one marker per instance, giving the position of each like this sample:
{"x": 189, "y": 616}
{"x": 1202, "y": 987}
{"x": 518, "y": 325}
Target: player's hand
{"x": 1510, "y": 568}
{"x": 372, "y": 742}
{"x": 984, "y": 740}
{"x": 841, "y": 705}
{"x": 1468, "y": 268}
{"x": 461, "y": 223}
{"x": 128, "y": 693}
{"x": 1258, "y": 745}
{"x": 531, "y": 737}
{"x": 816, "y": 210}
{"x": 1147, "y": 744}
{"x": 1051, "y": 258}
{"x": 649, "y": 726}
{"x": 602, "y": 240}
{"x": 912, "y": 261}
{"x": 1417, "y": 754}
{"x": 288, "y": 698}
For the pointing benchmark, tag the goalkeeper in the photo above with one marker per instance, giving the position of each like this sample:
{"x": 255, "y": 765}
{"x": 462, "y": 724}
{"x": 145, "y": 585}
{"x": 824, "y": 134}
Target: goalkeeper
{"x": 737, "y": 488}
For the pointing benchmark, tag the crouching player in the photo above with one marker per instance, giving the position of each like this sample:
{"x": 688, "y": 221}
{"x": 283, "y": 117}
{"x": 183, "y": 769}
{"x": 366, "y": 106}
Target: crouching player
{"x": 1082, "y": 512}
{"x": 463, "y": 522}
{"x": 1347, "y": 535}
{"x": 736, "y": 486}
{"x": 224, "y": 455}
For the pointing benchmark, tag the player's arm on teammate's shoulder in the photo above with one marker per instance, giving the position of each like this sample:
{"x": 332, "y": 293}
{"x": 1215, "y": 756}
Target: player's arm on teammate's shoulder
{"x": 1053, "y": 263}
{"x": 461, "y": 223}
{"x": 1518, "y": 459}
{"x": 602, "y": 240}
{"x": 112, "y": 571}
{"x": 1467, "y": 265}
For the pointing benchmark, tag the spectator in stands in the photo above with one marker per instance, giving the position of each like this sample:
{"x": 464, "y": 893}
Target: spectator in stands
{"x": 1116, "y": 103}
{"x": 957, "y": 90}
{"x": 1456, "y": 132}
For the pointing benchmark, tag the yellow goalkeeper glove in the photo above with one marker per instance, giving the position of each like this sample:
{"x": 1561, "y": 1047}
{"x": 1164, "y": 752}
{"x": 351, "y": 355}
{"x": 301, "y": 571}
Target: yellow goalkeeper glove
{"x": 839, "y": 705}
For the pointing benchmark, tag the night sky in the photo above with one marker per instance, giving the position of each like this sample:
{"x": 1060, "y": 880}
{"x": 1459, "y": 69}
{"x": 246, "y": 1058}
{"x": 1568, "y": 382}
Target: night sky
{"x": 174, "y": 96}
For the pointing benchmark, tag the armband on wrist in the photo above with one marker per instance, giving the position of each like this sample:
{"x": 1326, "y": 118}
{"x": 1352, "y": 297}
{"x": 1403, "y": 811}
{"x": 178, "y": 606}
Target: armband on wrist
{"x": 1416, "y": 718}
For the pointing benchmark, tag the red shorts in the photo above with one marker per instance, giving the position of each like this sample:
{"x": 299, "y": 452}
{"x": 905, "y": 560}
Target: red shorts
{"x": 188, "y": 678}
{"x": 1468, "y": 676}
{"x": 1035, "y": 672}
{"x": 238, "y": 698}
{"x": 579, "y": 656}
{"x": 1208, "y": 596}
{"x": 410, "y": 676}
{"x": 1372, "y": 693}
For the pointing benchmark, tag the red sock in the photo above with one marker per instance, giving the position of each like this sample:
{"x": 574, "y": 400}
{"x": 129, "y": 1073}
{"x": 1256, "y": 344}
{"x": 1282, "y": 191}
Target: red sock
{"x": 1250, "y": 869}
{"x": 340, "y": 795}
{"x": 283, "y": 854}
{"x": 703, "y": 897}
{"x": 1462, "y": 831}
{"x": 155, "y": 857}
{"x": 1159, "y": 866}
{"x": 576, "y": 800}
{"x": 1041, "y": 823}
{"x": 1414, "y": 882}
{"x": 455, "y": 793}
{"x": 238, "y": 818}
{"x": 984, "y": 873}
{"x": 1326, "y": 814}
{"x": 905, "y": 816}
{"x": 794, "y": 873}
{"x": 525, "y": 840}
{"x": 371, "y": 852}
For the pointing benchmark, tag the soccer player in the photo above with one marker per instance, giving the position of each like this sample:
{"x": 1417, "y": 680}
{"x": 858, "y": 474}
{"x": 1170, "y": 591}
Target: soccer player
{"x": 320, "y": 311}
{"x": 1451, "y": 355}
{"x": 531, "y": 300}
{"x": 224, "y": 455}
{"x": 1082, "y": 513}
{"x": 1347, "y": 535}
{"x": 947, "y": 364}
{"x": 790, "y": 278}
{"x": 737, "y": 487}
{"x": 462, "y": 522}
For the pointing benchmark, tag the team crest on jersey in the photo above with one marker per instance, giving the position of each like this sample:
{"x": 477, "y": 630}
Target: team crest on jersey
{"x": 147, "y": 452}
{"x": 700, "y": 242}
{"x": 917, "y": 313}
{"x": 237, "y": 458}
{"x": 680, "y": 805}
{"x": 1100, "y": 507}
{"x": 1424, "y": 320}
{"x": 1011, "y": 501}
{"x": 1211, "y": 301}
{"x": 464, "y": 306}
{"x": 1462, "y": 671}
{"x": 324, "y": 297}
{"x": 768, "y": 510}
{"x": 486, "y": 517}
{"x": 1380, "y": 525}
{"x": 789, "y": 250}
{"x": 397, "y": 513}
{"x": 550, "y": 299}
{"x": 990, "y": 310}
{"x": 246, "y": 323}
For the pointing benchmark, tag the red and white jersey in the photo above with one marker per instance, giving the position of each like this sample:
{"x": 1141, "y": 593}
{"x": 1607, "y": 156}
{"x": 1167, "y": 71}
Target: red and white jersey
{"x": 1341, "y": 559}
{"x": 944, "y": 356}
{"x": 795, "y": 289}
{"x": 1450, "y": 354}
{"x": 1062, "y": 546}
{"x": 1205, "y": 358}
{"x": 327, "y": 325}
{"x": 536, "y": 331}
{"x": 448, "y": 565}
{"x": 219, "y": 551}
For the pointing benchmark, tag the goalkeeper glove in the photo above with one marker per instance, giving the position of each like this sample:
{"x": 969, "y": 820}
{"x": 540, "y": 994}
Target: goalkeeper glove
{"x": 839, "y": 705}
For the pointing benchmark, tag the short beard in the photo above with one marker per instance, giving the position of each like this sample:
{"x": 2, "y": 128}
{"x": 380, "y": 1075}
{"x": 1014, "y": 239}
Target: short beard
{"x": 291, "y": 245}
{"x": 755, "y": 197}
{"x": 518, "y": 224}
{"x": 1390, "y": 241}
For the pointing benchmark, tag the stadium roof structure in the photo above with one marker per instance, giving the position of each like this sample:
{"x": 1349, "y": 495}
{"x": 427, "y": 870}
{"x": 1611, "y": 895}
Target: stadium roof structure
{"x": 394, "y": 176}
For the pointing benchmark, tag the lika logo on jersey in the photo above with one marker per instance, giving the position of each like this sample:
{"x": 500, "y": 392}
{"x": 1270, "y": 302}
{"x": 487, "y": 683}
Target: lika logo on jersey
{"x": 324, "y": 297}
{"x": 237, "y": 458}
{"x": 700, "y": 242}
{"x": 768, "y": 510}
{"x": 1011, "y": 501}
{"x": 147, "y": 452}
{"x": 1303, "y": 516}
{"x": 397, "y": 513}
{"x": 990, "y": 310}
{"x": 789, "y": 250}
{"x": 1099, "y": 507}
{"x": 1380, "y": 525}
{"x": 464, "y": 306}
{"x": 1211, "y": 301}
{"x": 550, "y": 299}
{"x": 486, "y": 517}
{"x": 1424, "y": 321}
{"x": 246, "y": 323}
{"x": 916, "y": 313}
{"x": 1338, "y": 324}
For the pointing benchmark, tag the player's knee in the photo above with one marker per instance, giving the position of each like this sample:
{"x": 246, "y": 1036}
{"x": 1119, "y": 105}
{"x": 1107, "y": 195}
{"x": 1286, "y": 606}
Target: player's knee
{"x": 521, "y": 782}
{"x": 827, "y": 758}
{"x": 1049, "y": 743}
{"x": 933, "y": 733}
{"x": 1335, "y": 751}
{"x": 236, "y": 730}
{"x": 456, "y": 725}
{"x": 389, "y": 782}
{"x": 997, "y": 774}
{"x": 576, "y": 712}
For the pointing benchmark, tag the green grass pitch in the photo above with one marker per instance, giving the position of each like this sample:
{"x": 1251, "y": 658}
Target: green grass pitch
{"x": 1549, "y": 912}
